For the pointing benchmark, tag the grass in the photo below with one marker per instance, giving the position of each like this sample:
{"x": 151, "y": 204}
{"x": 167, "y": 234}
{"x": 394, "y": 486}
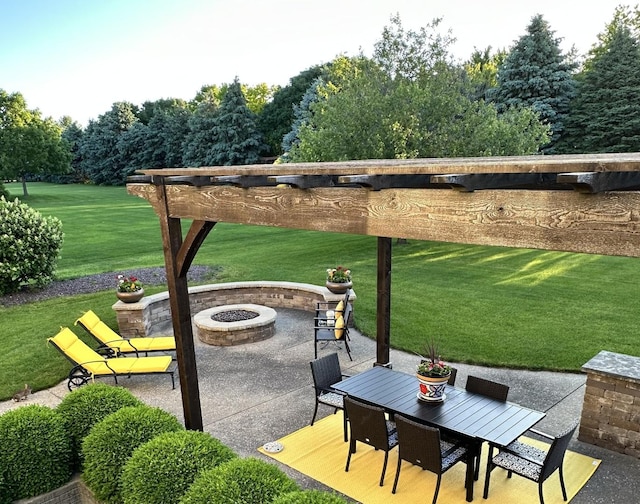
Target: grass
{"x": 484, "y": 305}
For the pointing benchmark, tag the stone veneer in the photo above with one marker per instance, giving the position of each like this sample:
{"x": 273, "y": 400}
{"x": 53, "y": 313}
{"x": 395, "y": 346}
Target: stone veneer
{"x": 611, "y": 408}
{"x": 152, "y": 314}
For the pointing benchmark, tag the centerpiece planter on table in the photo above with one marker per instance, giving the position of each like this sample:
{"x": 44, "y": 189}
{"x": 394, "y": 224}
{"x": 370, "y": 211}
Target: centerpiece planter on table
{"x": 433, "y": 375}
{"x": 338, "y": 280}
{"x": 129, "y": 289}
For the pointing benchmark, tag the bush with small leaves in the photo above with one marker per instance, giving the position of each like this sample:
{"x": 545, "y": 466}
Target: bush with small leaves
{"x": 309, "y": 497}
{"x": 29, "y": 246}
{"x": 35, "y": 452}
{"x": 161, "y": 470}
{"x": 111, "y": 442}
{"x": 239, "y": 481}
{"x": 86, "y": 406}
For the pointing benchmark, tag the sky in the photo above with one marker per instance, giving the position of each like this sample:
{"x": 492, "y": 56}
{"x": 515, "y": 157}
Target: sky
{"x": 78, "y": 57}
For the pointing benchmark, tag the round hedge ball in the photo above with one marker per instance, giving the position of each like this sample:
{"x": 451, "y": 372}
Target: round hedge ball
{"x": 161, "y": 470}
{"x": 239, "y": 481}
{"x": 86, "y": 406}
{"x": 110, "y": 443}
{"x": 35, "y": 453}
{"x": 309, "y": 497}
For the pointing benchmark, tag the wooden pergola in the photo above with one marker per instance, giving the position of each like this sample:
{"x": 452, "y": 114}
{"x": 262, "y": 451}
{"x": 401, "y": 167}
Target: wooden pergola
{"x": 587, "y": 203}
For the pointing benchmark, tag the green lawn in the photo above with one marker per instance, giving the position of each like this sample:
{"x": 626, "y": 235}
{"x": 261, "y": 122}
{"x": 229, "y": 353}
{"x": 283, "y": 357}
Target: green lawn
{"x": 485, "y": 305}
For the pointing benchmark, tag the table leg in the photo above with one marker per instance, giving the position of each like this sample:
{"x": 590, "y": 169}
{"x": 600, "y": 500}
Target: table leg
{"x": 469, "y": 480}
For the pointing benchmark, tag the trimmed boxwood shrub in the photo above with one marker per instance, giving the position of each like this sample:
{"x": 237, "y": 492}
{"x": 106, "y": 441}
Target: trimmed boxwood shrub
{"x": 309, "y": 497}
{"x": 29, "y": 246}
{"x": 111, "y": 442}
{"x": 86, "y": 406}
{"x": 239, "y": 481}
{"x": 161, "y": 470}
{"x": 35, "y": 452}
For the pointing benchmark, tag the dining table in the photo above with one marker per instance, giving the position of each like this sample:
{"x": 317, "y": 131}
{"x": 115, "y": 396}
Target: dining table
{"x": 470, "y": 416}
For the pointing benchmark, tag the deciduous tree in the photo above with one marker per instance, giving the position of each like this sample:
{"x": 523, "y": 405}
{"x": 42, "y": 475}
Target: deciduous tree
{"x": 29, "y": 145}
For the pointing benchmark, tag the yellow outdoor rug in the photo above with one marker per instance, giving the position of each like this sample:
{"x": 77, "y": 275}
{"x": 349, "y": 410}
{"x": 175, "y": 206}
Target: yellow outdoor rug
{"x": 321, "y": 453}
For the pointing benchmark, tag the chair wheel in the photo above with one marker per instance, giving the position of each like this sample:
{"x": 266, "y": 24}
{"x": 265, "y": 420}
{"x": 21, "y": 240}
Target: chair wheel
{"x": 77, "y": 378}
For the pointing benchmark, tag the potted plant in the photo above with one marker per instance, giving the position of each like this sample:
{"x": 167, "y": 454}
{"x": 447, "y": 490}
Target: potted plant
{"x": 432, "y": 373}
{"x": 129, "y": 289}
{"x": 339, "y": 280}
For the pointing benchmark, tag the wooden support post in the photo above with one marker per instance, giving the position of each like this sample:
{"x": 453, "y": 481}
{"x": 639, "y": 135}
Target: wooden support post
{"x": 384, "y": 302}
{"x": 181, "y": 318}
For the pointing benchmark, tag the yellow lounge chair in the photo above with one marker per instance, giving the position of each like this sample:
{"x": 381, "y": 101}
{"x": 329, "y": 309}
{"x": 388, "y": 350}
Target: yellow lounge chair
{"x": 116, "y": 344}
{"x": 89, "y": 364}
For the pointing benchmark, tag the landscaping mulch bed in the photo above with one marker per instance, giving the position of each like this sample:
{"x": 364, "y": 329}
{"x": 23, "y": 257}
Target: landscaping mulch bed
{"x": 101, "y": 282}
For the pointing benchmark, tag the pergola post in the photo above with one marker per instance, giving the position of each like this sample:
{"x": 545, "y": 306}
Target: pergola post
{"x": 383, "y": 318}
{"x": 181, "y": 319}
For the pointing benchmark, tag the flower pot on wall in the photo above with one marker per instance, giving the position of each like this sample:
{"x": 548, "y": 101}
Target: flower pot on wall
{"x": 130, "y": 297}
{"x": 339, "y": 288}
{"x": 431, "y": 388}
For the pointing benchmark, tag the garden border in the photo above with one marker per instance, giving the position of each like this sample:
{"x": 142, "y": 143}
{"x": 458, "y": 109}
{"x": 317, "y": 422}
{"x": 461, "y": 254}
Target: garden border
{"x": 152, "y": 314}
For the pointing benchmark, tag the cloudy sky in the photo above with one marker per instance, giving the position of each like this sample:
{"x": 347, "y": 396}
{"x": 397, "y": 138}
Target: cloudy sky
{"x": 78, "y": 57}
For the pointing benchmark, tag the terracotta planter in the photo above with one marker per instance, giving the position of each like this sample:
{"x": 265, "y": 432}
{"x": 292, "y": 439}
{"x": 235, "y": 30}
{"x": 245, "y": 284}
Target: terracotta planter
{"x": 130, "y": 297}
{"x": 339, "y": 288}
{"x": 431, "y": 388}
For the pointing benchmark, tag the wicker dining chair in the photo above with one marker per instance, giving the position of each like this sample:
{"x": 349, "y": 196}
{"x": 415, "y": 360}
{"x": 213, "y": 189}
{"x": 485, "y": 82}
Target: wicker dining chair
{"x": 531, "y": 462}
{"x": 369, "y": 425}
{"x": 452, "y": 377}
{"x": 326, "y": 371}
{"x": 421, "y": 445}
{"x": 488, "y": 388}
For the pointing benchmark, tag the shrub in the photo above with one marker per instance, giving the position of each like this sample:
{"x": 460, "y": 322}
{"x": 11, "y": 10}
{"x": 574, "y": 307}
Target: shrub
{"x": 309, "y": 497}
{"x": 239, "y": 481}
{"x": 29, "y": 246}
{"x": 86, "y": 406}
{"x": 111, "y": 442}
{"x": 161, "y": 470}
{"x": 35, "y": 452}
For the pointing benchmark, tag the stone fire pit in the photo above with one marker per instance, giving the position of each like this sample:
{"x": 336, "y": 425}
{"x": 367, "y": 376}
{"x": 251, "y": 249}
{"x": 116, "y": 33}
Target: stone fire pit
{"x": 235, "y": 324}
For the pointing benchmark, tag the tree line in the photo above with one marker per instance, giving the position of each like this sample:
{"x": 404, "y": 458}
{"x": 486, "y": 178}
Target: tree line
{"x": 409, "y": 99}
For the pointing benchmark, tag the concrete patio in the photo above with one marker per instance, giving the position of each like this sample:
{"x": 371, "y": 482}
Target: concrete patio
{"x": 258, "y": 392}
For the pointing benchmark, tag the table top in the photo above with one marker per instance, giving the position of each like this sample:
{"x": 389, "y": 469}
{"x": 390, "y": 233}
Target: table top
{"x": 462, "y": 412}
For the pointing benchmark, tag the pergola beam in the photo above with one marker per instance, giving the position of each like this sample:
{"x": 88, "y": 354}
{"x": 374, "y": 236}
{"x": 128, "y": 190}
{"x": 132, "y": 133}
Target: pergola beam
{"x": 583, "y": 203}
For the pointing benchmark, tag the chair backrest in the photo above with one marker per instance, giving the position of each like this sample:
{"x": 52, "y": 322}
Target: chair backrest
{"x": 97, "y": 328}
{"x": 452, "y": 377}
{"x": 78, "y": 352}
{"x": 488, "y": 388}
{"x": 326, "y": 371}
{"x": 555, "y": 455}
{"x": 368, "y": 423}
{"x": 419, "y": 444}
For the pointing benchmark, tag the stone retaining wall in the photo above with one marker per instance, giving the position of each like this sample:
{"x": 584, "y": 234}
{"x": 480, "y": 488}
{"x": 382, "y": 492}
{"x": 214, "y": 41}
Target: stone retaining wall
{"x": 152, "y": 314}
{"x": 611, "y": 408}
{"x": 74, "y": 492}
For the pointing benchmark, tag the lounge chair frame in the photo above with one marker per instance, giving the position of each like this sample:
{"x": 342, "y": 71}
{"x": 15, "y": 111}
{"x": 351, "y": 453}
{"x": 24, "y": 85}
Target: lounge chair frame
{"x": 80, "y": 374}
{"x": 112, "y": 344}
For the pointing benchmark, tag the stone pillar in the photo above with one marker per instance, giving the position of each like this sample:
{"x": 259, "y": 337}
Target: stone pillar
{"x": 611, "y": 408}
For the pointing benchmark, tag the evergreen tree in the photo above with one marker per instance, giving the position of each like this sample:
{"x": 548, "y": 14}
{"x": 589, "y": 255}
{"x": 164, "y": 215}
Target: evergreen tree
{"x": 200, "y": 136}
{"x": 72, "y": 132}
{"x": 605, "y": 116}
{"x": 102, "y": 159}
{"x": 536, "y": 74}
{"x": 237, "y": 139}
